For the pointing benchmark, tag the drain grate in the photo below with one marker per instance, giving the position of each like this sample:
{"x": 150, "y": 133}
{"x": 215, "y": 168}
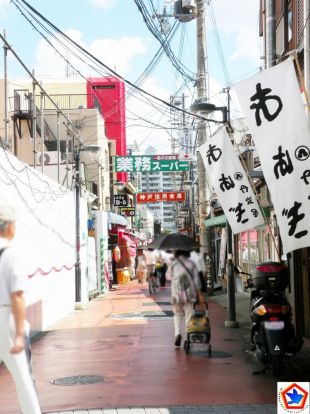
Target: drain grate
{"x": 78, "y": 379}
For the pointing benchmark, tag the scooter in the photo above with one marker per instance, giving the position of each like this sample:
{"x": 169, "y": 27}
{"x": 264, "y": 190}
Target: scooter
{"x": 272, "y": 332}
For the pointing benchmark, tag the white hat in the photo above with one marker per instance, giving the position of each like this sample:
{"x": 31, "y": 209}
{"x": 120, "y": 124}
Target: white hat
{"x": 7, "y": 213}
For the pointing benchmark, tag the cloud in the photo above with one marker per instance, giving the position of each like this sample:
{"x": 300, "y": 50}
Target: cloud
{"x": 246, "y": 45}
{"x": 141, "y": 115}
{"x": 3, "y": 7}
{"x": 115, "y": 53}
{"x": 238, "y": 20}
{"x": 118, "y": 53}
{"x": 103, "y": 4}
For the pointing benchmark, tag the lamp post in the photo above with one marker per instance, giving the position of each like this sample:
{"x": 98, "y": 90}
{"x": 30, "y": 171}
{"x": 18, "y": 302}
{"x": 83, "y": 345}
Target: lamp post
{"x": 77, "y": 156}
{"x": 206, "y": 108}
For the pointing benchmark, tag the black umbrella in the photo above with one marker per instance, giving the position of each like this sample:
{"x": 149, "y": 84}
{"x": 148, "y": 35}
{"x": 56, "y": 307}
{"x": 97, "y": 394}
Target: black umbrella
{"x": 174, "y": 241}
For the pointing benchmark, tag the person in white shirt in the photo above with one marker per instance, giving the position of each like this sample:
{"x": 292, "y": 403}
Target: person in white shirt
{"x": 150, "y": 262}
{"x": 197, "y": 257}
{"x": 14, "y": 341}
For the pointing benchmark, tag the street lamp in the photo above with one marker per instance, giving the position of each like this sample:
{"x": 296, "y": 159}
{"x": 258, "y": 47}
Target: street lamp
{"x": 204, "y": 107}
{"x": 93, "y": 149}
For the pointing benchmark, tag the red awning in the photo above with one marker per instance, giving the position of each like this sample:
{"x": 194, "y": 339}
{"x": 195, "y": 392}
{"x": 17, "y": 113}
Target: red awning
{"x": 124, "y": 239}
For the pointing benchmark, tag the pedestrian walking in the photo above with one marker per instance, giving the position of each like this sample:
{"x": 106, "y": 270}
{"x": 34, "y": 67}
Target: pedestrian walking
{"x": 161, "y": 267}
{"x": 150, "y": 262}
{"x": 14, "y": 330}
{"x": 141, "y": 266}
{"x": 185, "y": 291}
{"x": 197, "y": 257}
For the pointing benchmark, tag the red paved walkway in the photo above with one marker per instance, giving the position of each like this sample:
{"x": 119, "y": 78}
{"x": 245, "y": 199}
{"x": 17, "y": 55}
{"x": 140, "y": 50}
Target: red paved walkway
{"x": 138, "y": 360}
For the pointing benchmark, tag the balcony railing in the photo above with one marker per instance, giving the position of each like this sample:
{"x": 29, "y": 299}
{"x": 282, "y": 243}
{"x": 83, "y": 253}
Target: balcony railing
{"x": 21, "y": 101}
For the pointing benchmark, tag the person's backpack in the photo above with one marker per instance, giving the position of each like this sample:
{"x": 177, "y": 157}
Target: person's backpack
{"x": 184, "y": 287}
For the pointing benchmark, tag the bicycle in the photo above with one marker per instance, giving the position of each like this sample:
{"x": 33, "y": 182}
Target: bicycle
{"x": 152, "y": 281}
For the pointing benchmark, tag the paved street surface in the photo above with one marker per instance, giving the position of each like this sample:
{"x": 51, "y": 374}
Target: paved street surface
{"x": 123, "y": 343}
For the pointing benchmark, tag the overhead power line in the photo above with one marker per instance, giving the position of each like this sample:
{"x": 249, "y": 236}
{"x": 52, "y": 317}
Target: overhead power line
{"x": 163, "y": 41}
{"x": 113, "y": 72}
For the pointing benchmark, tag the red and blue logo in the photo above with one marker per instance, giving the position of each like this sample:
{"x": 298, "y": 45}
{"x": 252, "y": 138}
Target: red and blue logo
{"x": 293, "y": 397}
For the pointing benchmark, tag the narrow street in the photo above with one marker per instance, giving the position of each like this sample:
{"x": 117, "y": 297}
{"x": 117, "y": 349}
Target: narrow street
{"x": 127, "y": 337}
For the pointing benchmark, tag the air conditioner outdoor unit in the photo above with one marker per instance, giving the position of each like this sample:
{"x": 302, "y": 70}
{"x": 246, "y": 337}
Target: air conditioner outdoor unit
{"x": 50, "y": 158}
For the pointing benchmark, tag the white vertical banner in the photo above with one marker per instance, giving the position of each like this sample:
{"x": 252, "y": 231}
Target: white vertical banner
{"x": 230, "y": 183}
{"x": 275, "y": 114}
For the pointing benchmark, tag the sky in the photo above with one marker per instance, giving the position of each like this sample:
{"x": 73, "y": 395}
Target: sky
{"x": 114, "y": 32}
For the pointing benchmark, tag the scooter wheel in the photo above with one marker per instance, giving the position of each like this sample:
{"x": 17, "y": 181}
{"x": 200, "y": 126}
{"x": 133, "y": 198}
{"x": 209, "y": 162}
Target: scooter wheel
{"x": 277, "y": 364}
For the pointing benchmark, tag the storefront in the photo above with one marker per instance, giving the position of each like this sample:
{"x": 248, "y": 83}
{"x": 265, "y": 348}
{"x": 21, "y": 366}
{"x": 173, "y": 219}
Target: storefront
{"x": 128, "y": 250}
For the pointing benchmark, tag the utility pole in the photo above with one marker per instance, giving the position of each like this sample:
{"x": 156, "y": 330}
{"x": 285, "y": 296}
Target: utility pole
{"x": 202, "y": 94}
{"x": 231, "y": 300}
{"x": 6, "y": 121}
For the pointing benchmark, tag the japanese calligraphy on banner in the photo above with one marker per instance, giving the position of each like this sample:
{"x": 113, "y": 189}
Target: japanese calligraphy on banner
{"x": 230, "y": 183}
{"x": 149, "y": 163}
{"x": 275, "y": 114}
{"x": 171, "y": 196}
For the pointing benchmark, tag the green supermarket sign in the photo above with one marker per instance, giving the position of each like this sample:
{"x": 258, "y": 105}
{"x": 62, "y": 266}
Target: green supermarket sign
{"x": 148, "y": 163}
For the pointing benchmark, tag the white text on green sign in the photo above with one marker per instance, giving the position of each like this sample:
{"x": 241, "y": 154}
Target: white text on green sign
{"x": 136, "y": 163}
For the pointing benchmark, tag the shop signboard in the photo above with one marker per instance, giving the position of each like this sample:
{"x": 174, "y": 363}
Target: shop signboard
{"x": 149, "y": 163}
{"x": 120, "y": 200}
{"x": 128, "y": 211}
{"x": 168, "y": 196}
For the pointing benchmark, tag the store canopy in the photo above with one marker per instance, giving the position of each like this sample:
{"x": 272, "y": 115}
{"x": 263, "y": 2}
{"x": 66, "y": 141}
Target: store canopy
{"x": 117, "y": 219}
{"x": 126, "y": 240}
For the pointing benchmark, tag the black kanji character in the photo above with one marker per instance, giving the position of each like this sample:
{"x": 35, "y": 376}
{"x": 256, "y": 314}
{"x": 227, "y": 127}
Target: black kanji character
{"x": 211, "y": 154}
{"x": 249, "y": 200}
{"x": 254, "y": 212}
{"x": 226, "y": 183}
{"x": 285, "y": 167}
{"x": 261, "y": 95}
{"x": 305, "y": 176}
{"x": 295, "y": 218}
{"x": 244, "y": 188}
{"x": 239, "y": 213}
